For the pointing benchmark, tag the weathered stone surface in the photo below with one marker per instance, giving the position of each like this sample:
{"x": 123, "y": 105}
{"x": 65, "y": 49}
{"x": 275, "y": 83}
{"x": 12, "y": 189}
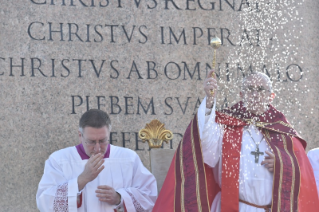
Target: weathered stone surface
{"x": 160, "y": 160}
{"x": 106, "y": 56}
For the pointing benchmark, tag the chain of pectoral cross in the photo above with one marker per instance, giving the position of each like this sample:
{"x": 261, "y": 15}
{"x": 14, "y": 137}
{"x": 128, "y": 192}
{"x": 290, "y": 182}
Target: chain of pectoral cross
{"x": 256, "y": 153}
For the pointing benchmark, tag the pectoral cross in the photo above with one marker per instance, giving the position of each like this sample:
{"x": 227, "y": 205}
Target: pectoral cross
{"x": 256, "y": 154}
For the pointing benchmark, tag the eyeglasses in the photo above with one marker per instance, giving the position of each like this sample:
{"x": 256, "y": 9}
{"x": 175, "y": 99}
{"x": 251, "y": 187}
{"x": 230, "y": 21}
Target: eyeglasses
{"x": 93, "y": 143}
{"x": 258, "y": 89}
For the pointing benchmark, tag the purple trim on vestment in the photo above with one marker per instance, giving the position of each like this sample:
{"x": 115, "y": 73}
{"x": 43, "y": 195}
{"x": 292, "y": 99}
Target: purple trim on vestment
{"x": 84, "y": 156}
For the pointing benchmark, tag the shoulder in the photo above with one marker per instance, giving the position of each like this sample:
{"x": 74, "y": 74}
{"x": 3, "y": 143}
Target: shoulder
{"x": 62, "y": 154}
{"x": 117, "y": 151}
{"x": 313, "y": 152}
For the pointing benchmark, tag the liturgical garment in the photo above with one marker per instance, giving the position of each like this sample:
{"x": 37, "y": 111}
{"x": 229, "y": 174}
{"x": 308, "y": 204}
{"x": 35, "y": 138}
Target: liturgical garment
{"x": 124, "y": 171}
{"x": 313, "y": 156}
{"x": 213, "y": 167}
{"x": 255, "y": 181}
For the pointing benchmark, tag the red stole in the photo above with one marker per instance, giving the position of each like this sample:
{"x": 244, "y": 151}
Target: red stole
{"x": 233, "y": 133}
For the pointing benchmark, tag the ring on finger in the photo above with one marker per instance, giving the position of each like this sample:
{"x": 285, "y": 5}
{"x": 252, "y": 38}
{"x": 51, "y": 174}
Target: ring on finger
{"x": 208, "y": 83}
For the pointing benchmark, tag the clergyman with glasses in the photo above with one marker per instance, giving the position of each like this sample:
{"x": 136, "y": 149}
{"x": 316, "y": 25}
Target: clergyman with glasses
{"x": 95, "y": 175}
{"x": 251, "y": 158}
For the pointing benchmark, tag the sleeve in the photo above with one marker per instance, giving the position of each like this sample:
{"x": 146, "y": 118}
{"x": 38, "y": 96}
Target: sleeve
{"x": 210, "y": 133}
{"x": 313, "y": 156}
{"x": 142, "y": 194}
{"x": 55, "y": 192}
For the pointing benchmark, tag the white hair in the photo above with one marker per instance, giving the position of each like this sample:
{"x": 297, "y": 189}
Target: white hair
{"x": 261, "y": 75}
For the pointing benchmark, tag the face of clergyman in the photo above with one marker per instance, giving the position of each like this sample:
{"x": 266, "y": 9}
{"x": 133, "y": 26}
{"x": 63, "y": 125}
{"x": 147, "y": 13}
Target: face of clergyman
{"x": 256, "y": 94}
{"x": 95, "y": 140}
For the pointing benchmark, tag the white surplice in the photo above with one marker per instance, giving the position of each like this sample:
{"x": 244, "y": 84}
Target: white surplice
{"x": 255, "y": 181}
{"x": 123, "y": 171}
{"x": 313, "y": 156}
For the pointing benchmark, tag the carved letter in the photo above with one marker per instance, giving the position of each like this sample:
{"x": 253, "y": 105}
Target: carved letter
{"x": 29, "y": 31}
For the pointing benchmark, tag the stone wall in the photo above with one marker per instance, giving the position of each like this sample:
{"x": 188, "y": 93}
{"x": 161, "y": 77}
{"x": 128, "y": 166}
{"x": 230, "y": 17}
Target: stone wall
{"x": 139, "y": 60}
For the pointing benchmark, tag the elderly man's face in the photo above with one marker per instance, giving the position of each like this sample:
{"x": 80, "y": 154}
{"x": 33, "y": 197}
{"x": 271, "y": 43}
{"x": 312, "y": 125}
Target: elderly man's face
{"x": 256, "y": 94}
{"x": 95, "y": 140}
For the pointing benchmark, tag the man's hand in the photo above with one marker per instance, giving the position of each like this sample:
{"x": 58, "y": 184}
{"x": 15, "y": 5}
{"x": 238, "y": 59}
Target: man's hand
{"x": 210, "y": 84}
{"x": 269, "y": 161}
{"x": 108, "y": 194}
{"x": 91, "y": 170}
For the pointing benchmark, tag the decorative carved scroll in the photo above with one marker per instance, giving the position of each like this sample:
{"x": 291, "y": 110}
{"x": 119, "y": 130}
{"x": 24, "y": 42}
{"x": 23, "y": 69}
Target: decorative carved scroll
{"x": 155, "y": 133}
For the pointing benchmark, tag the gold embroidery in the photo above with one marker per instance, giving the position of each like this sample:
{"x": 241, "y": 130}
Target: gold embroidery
{"x": 280, "y": 132}
{"x": 283, "y": 123}
{"x": 263, "y": 124}
{"x": 267, "y": 135}
{"x": 293, "y": 173}
{"x": 196, "y": 171}
{"x": 200, "y": 144}
{"x": 267, "y": 138}
{"x": 278, "y": 122}
{"x": 280, "y": 179}
{"x": 256, "y": 123}
{"x": 175, "y": 178}
{"x": 182, "y": 176}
